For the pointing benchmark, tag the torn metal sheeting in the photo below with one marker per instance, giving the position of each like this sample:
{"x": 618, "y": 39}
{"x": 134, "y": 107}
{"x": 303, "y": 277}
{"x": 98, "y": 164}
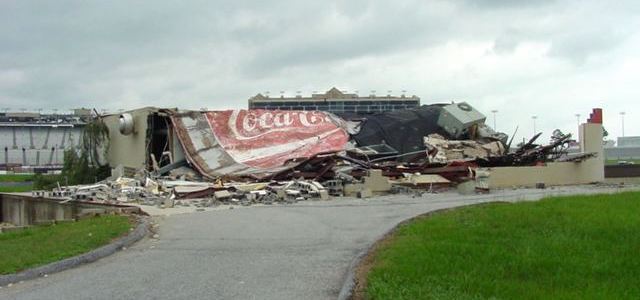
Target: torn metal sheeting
{"x": 254, "y": 142}
{"x": 577, "y": 157}
{"x": 370, "y": 152}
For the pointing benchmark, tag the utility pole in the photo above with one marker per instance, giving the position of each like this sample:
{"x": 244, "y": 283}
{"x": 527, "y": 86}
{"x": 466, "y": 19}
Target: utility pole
{"x": 494, "y": 119}
{"x": 622, "y": 118}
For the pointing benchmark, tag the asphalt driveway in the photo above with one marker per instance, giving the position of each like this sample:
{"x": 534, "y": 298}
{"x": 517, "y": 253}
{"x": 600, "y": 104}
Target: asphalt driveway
{"x": 300, "y": 251}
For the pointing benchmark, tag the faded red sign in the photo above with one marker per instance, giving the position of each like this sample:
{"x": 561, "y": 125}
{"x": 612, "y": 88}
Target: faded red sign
{"x": 267, "y": 138}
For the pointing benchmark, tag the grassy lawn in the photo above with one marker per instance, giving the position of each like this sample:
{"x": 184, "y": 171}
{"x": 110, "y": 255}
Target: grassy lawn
{"x": 16, "y": 189}
{"x": 40, "y": 245}
{"x": 6, "y": 181}
{"x": 584, "y": 247}
{"x": 12, "y": 183}
{"x": 615, "y": 161}
{"x": 16, "y": 177}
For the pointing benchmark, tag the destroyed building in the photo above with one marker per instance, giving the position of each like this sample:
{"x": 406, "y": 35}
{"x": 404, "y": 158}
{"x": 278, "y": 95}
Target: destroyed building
{"x": 259, "y": 145}
{"x": 172, "y": 157}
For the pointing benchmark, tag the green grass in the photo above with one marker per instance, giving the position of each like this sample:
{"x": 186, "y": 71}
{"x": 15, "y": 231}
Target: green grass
{"x": 16, "y": 177}
{"x": 585, "y": 247}
{"x": 40, "y": 245}
{"x": 36, "y": 181}
{"x": 16, "y": 189}
{"x": 615, "y": 161}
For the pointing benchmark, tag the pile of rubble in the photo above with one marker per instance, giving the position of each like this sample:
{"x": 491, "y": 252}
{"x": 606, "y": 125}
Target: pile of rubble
{"x": 445, "y": 164}
{"x": 428, "y": 149}
{"x": 168, "y": 191}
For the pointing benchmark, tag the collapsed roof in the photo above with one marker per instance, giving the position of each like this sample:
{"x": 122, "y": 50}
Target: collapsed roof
{"x": 255, "y": 142}
{"x": 260, "y": 143}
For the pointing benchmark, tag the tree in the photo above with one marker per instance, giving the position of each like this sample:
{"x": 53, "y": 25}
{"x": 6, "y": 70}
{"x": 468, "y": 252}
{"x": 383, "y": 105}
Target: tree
{"x": 95, "y": 141}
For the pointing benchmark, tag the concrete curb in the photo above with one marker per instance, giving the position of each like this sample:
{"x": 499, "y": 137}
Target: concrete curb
{"x": 137, "y": 234}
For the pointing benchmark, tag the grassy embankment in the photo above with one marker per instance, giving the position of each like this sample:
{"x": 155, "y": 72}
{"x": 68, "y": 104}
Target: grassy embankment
{"x": 616, "y": 161}
{"x": 582, "y": 247}
{"x": 13, "y": 183}
{"x": 19, "y": 181}
{"x": 40, "y": 245}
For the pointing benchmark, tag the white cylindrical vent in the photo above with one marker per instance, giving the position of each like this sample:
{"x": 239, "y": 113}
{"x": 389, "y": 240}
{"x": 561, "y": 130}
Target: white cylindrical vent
{"x": 126, "y": 124}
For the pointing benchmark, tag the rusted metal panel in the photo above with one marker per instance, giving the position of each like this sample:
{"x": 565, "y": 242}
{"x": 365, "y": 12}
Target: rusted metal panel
{"x": 255, "y": 142}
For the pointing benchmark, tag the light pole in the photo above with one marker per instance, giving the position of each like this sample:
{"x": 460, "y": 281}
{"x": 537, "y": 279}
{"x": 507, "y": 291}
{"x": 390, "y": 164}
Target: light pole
{"x": 622, "y": 118}
{"x": 534, "y": 118}
{"x": 494, "y": 119}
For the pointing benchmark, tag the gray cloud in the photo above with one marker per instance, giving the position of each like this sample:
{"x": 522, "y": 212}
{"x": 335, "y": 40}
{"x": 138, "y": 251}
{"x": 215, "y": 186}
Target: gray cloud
{"x": 506, "y": 4}
{"x": 216, "y": 53}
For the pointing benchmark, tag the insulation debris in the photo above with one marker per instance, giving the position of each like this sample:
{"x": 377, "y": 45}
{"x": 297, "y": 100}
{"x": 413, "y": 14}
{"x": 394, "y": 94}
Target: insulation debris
{"x": 444, "y": 151}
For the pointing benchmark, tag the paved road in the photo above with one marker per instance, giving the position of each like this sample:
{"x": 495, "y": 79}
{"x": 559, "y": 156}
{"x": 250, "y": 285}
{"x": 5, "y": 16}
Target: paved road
{"x": 263, "y": 252}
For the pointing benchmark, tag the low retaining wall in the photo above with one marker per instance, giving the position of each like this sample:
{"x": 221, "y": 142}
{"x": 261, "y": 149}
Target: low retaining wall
{"x": 25, "y": 210}
{"x": 22, "y": 210}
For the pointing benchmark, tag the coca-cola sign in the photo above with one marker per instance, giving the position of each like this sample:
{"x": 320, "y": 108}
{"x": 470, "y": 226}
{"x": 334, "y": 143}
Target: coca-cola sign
{"x": 266, "y": 138}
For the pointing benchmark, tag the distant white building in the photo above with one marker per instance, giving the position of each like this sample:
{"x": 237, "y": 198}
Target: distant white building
{"x": 627, "y": 147}
{"x": 36, "y": 140}
{"x": 336, "y": 101}
{"x": 629, "y": 141}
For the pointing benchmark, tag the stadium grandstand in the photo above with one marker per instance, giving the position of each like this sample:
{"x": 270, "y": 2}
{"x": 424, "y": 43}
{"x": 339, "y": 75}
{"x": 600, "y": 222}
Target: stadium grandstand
{"x": 35, "y": 142}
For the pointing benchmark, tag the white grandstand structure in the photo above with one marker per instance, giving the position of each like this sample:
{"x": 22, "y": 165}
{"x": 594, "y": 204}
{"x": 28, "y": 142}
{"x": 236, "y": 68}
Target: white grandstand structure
{"x": 35, "y": 141}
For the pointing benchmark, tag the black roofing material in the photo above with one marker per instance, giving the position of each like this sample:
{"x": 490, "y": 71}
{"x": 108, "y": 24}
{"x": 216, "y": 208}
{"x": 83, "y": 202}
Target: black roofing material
{"x": 403, "y": 130}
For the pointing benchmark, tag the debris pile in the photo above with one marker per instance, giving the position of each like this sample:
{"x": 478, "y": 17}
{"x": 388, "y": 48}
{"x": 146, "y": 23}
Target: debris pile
{"x": 251, "y": 157}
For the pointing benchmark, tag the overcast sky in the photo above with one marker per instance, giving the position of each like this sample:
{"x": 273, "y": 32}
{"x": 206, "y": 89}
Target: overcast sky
{"x": 553, "y": 59}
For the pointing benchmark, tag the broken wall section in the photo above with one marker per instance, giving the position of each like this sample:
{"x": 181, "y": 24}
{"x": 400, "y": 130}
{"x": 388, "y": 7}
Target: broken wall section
{"x": 558, "y": 173}
{"x": 135, "y": 135}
